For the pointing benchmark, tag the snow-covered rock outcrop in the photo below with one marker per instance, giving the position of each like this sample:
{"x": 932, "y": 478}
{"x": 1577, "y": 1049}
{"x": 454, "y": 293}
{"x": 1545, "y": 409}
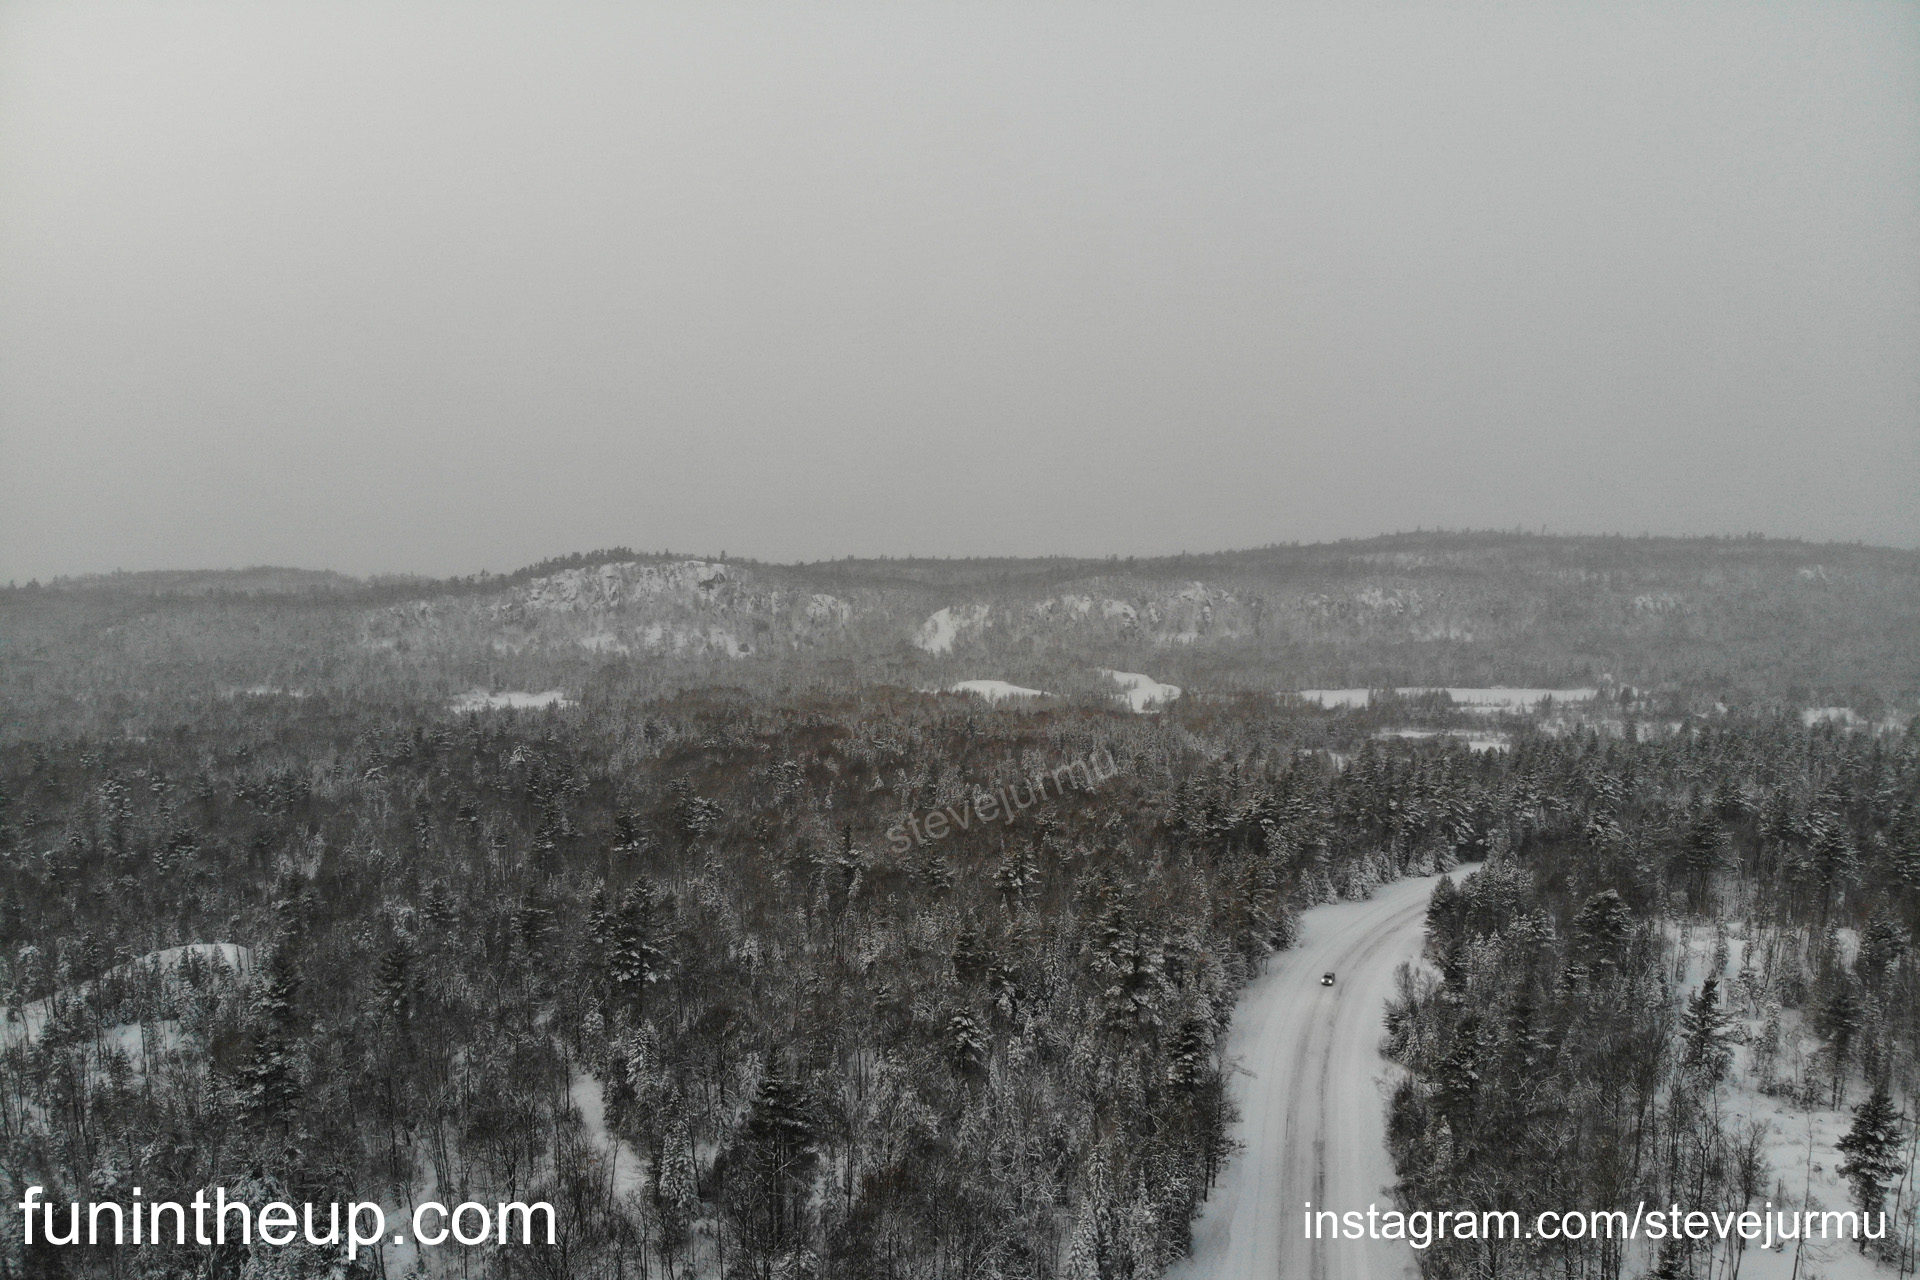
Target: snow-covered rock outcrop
{"x": 1143, "y": 693}
{"x": 629, "y": 583}
{"x": 939, "y": 632}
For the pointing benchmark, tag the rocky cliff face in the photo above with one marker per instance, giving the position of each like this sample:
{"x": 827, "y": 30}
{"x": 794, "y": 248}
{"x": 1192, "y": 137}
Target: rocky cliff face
{"x": 629, "y": 585}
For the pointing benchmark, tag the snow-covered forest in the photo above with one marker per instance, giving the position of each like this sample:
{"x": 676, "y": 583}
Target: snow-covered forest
{"x": 1686, "y": 979}
{"x": 640, "y": 948}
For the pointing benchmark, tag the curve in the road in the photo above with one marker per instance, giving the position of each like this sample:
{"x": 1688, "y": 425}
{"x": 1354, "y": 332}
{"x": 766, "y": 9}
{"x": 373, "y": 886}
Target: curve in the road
{"x": 1312, "y": 1095}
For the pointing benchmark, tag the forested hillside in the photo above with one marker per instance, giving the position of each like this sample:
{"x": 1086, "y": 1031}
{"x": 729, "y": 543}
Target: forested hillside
{"x": 1727, "y": 620}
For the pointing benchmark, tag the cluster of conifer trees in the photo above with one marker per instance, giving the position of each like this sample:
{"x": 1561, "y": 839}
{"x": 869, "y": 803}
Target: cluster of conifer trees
{"x": 1676, "y": 927}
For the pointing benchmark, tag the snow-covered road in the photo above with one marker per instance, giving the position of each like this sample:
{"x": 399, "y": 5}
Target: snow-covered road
{"x": 1313, "y": 1101}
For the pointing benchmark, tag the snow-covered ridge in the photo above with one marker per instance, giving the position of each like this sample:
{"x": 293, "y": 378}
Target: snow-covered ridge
{"x": 693, "y": 608}
{"x": 626, "y": 583}
{"x": 1174, "y": 615}
{"x": 1068, "y": 606}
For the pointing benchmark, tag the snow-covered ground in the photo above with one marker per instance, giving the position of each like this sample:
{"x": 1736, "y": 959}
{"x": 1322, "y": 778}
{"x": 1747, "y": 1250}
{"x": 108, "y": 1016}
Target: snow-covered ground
{"x": 994, "y": 690}
{"x": 479, "y": 700}
{"x": 825, "y": 608}
{"x": 937, "y": 632}
{"x": 726, "y": 642}
{"x": 1143, "y": 693}
{"x": 629, "y": 1171}
{"x": 24, "y": 1024}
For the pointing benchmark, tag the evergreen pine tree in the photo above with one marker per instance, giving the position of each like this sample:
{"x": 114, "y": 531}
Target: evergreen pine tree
{"x": 779, "y": 1136}
{"x": 393, "y": 982}
{"x": 674, "y": 1187}
{"x": 1872, "y": 1148}
{"x": 1083, "y": 1253}
{"x": 1190, "y": 1056}
{"x": 966, "y": 1043}
{"x": 635, "y": 957}
{"x": 1839, "y": 1022}
{"x": 269, "y": 1078}
{"x": 1704, "y": 1030}
{"x": 1603, "y": 925}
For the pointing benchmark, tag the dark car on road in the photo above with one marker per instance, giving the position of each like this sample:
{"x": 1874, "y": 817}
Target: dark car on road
{"x": 1326, "y": 979}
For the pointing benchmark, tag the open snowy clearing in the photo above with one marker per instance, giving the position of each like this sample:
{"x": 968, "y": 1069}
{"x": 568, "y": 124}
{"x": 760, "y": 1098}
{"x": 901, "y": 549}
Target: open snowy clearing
{"x": 479, "y": 701}
{"x": 1313, "y": 1099}
{"x": 995, "y": 690}
{"x": 1143, "y": 693}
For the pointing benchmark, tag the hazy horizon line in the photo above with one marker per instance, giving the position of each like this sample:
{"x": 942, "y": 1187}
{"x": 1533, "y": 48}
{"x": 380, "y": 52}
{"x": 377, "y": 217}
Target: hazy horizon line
{"x": 602, "y": 555}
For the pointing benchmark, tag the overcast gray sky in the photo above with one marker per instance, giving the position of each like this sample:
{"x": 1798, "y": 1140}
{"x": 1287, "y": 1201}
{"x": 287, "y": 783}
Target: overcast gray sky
{"x": 394, "y": 286}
